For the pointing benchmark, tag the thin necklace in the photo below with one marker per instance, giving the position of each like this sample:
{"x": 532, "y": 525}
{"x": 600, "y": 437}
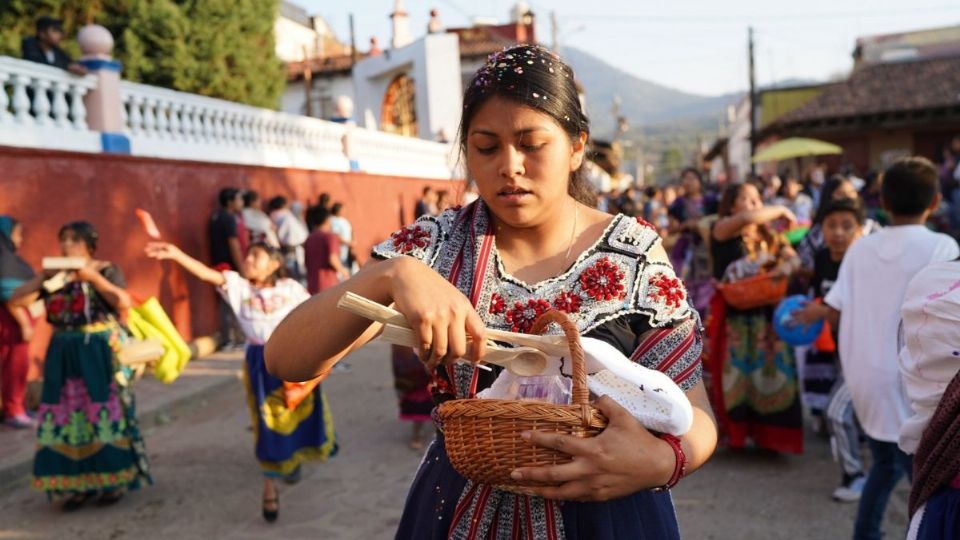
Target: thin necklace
{"x": 573, "y": 236}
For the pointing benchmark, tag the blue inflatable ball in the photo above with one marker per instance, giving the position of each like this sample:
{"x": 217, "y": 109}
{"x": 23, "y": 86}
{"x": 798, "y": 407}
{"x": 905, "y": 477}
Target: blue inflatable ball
{"x": 789, "y": 330}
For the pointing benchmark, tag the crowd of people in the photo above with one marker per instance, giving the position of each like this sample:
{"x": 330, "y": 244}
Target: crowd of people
{"x": 856, "y": 246}
{"x": 661, "y": 275}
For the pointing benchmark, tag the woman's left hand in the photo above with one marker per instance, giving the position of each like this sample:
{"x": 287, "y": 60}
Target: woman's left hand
{"x": 623, "y": 459}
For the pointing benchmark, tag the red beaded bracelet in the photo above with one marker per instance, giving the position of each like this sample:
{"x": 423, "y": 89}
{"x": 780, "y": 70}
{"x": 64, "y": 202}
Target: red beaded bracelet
{"x": 681, "y": 465}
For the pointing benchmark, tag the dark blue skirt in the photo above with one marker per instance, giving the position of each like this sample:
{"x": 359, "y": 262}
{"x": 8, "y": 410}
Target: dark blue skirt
{"x": 941, "y": 519}
{"x": 437, "y": 487}
{"x": 285, "y": 438}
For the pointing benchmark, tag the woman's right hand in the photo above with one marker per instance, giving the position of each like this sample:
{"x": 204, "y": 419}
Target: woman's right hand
{"x": 440, "y": 315}
{"x": 162, "y": 251}
{"x": 788, "y": 215}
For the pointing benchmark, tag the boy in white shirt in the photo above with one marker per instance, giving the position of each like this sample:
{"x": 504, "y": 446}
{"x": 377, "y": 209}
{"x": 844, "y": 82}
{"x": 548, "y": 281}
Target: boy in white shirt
{"x": 866, "y": 299}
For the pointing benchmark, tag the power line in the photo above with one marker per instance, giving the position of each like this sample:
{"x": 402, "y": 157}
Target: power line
{"x": 825, "y": 17}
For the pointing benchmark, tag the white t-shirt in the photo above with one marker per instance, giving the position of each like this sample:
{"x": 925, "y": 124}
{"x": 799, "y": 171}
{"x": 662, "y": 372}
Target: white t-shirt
{"x": 868, "y": 293}
{"x": 931, "y": 337}
{"x": 341, "y": 227}
{"x": 260, "y": 225}
{"x": 259, "y": 311}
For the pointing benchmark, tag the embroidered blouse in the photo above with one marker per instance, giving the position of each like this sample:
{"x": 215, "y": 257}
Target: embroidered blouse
{"x": 614, "y": 291}
{"x": 78, "y": 304}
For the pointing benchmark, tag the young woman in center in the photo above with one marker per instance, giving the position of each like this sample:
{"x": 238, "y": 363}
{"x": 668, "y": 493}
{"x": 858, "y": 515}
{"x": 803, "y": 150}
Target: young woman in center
{"x": 529, "y": 244}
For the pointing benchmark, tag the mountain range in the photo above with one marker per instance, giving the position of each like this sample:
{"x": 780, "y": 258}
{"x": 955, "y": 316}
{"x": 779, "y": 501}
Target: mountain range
{"x": 646, "y": 105}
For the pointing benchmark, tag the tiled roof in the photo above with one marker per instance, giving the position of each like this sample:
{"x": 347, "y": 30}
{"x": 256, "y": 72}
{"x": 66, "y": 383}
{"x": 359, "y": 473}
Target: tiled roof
{"x": 878, "y": 89}
{"x": 320, "y": 66}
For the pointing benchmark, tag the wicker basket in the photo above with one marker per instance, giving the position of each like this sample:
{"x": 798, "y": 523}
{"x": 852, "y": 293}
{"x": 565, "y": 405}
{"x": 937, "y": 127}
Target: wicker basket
{"x": 753, "y": 292}
{"x": 483, "y": 435}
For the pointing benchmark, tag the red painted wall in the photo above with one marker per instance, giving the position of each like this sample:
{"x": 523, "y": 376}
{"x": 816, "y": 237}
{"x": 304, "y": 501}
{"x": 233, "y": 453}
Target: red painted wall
{"x": 45, "y": 189}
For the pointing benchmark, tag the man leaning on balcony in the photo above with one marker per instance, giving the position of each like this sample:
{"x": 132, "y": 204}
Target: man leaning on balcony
{"x": 44, "y": 48}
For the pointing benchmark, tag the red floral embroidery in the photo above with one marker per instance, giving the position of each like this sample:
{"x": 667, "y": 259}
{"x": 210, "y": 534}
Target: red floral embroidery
{"x": 647, "y": 224}
{"x": 56, "y": 305}
{"x": 603, "y": 280}
{"x": 408, "y": 238}
{"x": 497, "y": 305}
{"x": 567, "y": 302}
{"x": 522, "y": 316}
{"x": 78, "y": 304}
{"x": 668, "y": 289}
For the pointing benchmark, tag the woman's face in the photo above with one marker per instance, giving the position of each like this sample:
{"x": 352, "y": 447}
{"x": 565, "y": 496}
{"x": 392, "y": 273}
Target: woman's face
{"x": 748, "y": 199}
{"x": 793, "y": 188}
{"x": 16, "y": 235}
{"x": 258, "y": 265}
{"x": 521, "y": 160}
{"x": 845, "y": 191}
{"x": 71, "y": 245}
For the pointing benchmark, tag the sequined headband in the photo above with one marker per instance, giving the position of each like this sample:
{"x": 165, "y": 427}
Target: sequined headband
{"x": 514, "y": 61}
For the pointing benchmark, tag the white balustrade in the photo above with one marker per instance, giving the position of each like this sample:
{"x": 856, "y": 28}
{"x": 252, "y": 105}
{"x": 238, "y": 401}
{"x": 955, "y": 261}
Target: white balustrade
{"x": 45, "y": 108}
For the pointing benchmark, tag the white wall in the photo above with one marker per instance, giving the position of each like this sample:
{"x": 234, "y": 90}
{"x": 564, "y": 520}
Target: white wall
{"x": 293, "y": 100}
{"x": 434, "y": 64}
{"x": 291, "y": 38}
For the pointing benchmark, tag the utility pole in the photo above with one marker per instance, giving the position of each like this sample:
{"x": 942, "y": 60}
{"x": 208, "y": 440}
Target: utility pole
{"x": 753, "y": 105}
{"x": 554, "y": 32}
{"x": 353, "y": 44}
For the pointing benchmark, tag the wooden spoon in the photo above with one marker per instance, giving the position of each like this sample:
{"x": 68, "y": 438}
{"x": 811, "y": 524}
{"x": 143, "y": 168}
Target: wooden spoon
{"x": 522, "y": 361}
{"x": 354, "y": 303}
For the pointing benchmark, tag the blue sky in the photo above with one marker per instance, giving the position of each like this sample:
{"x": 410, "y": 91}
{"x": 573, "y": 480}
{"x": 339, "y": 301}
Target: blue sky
{"x": 697, "y": 46}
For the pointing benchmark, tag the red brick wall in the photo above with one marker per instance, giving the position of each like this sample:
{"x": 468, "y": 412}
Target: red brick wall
{"x": 45, "y": 189}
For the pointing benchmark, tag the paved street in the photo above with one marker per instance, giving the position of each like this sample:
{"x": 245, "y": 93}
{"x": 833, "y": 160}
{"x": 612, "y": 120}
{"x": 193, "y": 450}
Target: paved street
{"x": 208, "y": 485}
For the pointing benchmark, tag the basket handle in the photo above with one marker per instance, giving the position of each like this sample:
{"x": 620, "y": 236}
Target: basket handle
{"x": 581, "y": 394}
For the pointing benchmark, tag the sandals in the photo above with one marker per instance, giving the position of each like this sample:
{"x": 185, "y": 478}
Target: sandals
{"x": 76, "y": 501}
{"x": 271, "y": 515}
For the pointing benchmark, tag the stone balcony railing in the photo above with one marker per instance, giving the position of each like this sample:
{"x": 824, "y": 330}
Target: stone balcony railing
{"x": 47, "y": 110}
{"x": 43, "y": 107}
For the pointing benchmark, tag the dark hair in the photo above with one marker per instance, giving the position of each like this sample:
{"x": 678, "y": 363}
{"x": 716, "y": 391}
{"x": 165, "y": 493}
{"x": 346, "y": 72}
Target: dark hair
{"x": 852, "y": 206}
{"x": 45, "y": 23}
{"x": 324, "y": 200}
{"x": 318, "y": 216}
{"x": 276, "y": 203}
{"x": 651, "y": 191}
{"x": 909, "y": 186}
{"x": 826, "y": 194}
{"x": 275, "y": 255}
{"x": 786, "y": 179}
{"x": 227, "y": 195}
{"x": 533, "y": 76}
{"x": 84, "y": 231}
{"x": 694, "y": 171}
{"x": 729, "y": 197}
{"x": 250, "y": 198}
{"x": 335, "y": 209}
{"x": 426, "y": 189}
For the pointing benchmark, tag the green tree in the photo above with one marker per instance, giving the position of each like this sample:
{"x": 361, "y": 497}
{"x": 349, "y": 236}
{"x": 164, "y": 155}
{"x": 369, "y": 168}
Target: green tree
{"x": 217, "y": 48}
{"x": 671, "y": 161}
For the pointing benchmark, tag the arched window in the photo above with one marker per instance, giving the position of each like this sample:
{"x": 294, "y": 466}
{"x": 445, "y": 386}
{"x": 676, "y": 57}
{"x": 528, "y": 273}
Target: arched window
{"x": 399, "y": 110}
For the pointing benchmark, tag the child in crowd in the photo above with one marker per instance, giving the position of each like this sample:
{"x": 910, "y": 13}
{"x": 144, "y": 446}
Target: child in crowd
{"x": 285, "y": 436}
{"x": 824, "y": 392}
{"x": 866, "y": 301}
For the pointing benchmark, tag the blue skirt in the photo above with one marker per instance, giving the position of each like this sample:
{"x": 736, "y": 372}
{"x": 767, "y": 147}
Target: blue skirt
{"x": 941, "y": 519}
{"x": 433, "y": 497}
{"x": 285, "y": 438}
